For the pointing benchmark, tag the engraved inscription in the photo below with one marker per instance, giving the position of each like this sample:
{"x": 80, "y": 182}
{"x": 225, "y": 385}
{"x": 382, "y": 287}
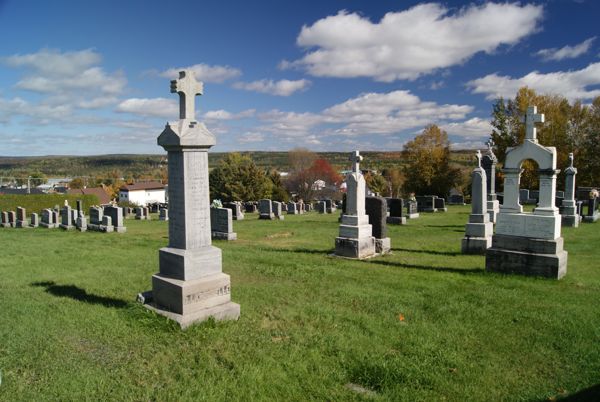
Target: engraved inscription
{"x": 200, "y": 296}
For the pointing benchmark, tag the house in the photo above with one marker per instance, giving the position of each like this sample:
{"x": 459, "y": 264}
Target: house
{"x": 143, "y": 193}
{"x": 103, "y": 197}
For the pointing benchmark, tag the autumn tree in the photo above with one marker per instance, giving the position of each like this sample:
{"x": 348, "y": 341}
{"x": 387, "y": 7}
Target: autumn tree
{"x": 278, "y": 191}
{"x": 428, "y": 169}
{"x": 77, "y": 183}
{"x": 377, "y": 183}
{"x": 302, "y": 178}
{"x": 395, "y": 180}
{"x": 237, "y": 178}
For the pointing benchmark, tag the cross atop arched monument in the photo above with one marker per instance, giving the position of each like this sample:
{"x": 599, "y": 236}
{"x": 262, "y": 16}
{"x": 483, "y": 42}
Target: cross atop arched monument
{"x": 530, "y": 118}
{"x": 478, "y": 156}
{"x": 490, "y": 143}
{"x": 355, "y": 158}
{"x": 187, "y": 87}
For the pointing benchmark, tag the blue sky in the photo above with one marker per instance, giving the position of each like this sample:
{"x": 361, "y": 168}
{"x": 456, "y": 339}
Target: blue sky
{"x": 92, "y": 77}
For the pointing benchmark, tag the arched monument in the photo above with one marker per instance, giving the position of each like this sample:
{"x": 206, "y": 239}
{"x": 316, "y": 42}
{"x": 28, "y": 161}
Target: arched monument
{"x": 529, "y": 243}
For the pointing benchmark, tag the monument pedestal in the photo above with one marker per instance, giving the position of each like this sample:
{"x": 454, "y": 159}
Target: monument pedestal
{"x": 396, "y": 220}
{"x": 355, "y": 239}
{"x": 383, "y": 246}
{"x": 527, "y": 256}
{"x": 569, "y": 214}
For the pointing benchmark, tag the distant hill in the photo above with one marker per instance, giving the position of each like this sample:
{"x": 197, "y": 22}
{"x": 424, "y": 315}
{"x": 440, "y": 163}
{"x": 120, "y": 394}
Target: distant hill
{"x": 136, "y": 165}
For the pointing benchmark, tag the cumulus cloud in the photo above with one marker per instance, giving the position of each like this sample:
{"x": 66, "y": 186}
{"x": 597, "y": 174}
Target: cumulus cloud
{"x": 225, "y": 115}
{"x": 410, "y": 43}
{"x": 471, "y": 128}
{"x": 364, "y": 115}
{"x": 571, "y": 84}
{"x": 205, "y": 72}
{"x": 279, "y": 88}
{"x": 251, "y": 137}
{"x": 566, "y": 52}
{"x": 155, "y": 107}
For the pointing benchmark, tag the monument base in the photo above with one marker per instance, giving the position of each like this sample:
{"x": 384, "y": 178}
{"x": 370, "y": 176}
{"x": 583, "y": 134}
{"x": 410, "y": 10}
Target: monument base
{"x": 475, "y": 245}
{"x": 194, "y": 300}
{"x": 396, "y": 220}
{"x": 266, "y": 216}
{"x": 412, "y": 216}
{"x": 591, "y": 218}
{"x": 224, "y": 236}
{"x": 383, "y": 246}
{"x": 42, "y": 224}
{"x": 571, "y": 220}
{"x": 527, "y": 256}
{"x": 21, "y": 224}
{"x": 66, "y": 227}
{"x": 100, "y": 228}
{"x": 355, "y": 248}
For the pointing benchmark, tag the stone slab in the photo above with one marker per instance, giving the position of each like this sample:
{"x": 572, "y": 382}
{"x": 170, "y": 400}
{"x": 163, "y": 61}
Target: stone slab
{"x": 355, "y": 248}
{"x": 396, "y": 220}
{"x": 224, "y": 236}
{"x": 552, "y": 266}
{"x": 186, "y": 265}
{"x": 383, "y": 246}
{"x": 475, "y": 245}
{"x": 528, "y": 225}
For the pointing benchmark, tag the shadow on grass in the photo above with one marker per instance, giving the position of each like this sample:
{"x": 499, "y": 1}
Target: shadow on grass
{"x": 79, "y": 294}
{"x": 462, "y": 271}
{"x": 462, "y": 227}
{"x": 449, "y": 253}
{"x": 589, "y": 394}
{"x": 299, "y": 250}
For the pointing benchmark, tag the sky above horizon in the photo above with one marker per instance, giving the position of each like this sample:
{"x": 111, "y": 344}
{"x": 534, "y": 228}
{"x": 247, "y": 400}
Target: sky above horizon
{"x": 92, "y": 77}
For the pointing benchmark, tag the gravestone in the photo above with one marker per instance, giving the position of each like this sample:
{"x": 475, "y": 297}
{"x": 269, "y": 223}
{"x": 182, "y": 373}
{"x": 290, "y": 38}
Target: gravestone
{"x": 74, "y": 215}
{"x": 97, "y": 222}
{"x": 277, "y": 210}
{"x": 66, "y": 217}
{"x": 529, "y": 243}
{"x": 116, "y": 216}
{"x": 355, "y": 239}
{"x": 426, "y": 203}
{"x": 163, "y": 214}
{"x": 12, "y": 219}
{"x": 140, "y": 213}
{"x": 21, "y": 221}
{"x": 265, "y": 207}
{"x": 329, "y": 206}
{"x": 412, "y": 210}
{"x": 322, "y": 207}
{"x": 4, "y": 219}
{"x": 535, "y": 195}
{"x": 440, "y": 204}
{"x": 376, "y": 209}
{"x": 284, "y": 206}
{"x": 56, "y": 218}
{"x": 147, "y": 213}
{"x": 81, "y": 223}
{"x": 251, "y": 207}
{"x": 488, "y": 163}
{"x": 190, "y": 285}
{"x": 47, "y": 220}
{"x": 479, "y": 230}
{"x": 107, "y": 224}
{"x": 592, "y": 214}
{"x": 568, "y": 209}
{"x": 292, "y": 208}
{"x": 221, "y": 223}
{"x": 236, "y": 210}
{"x": 396, "y": 216}
{"x": 79, "y": 207}
{"x": 456, "y": 199}
{"x": 34, "y": 221}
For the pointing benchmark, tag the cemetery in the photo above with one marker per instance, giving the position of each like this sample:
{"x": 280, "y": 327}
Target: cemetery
{"x": 371, "y": 297}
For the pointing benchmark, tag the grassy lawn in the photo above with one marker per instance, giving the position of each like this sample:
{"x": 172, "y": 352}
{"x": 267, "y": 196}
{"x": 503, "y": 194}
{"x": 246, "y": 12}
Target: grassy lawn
{"x": 423, "y": 324}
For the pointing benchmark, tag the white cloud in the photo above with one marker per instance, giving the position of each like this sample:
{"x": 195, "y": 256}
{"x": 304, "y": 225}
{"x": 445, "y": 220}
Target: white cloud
{"x": 410, "y": 43}
{"x": 225, "y": 115}
{"x": 51, "y": 62}
{"x": 279, "y": 88}
{"x": 566, "y": 52}
{"x": 205, "y": 72}
{"x": 156, "y": 107}
{"x": 365, "y": 115}
{"x": 251, "y": 137}
{"x": 472, "y": 128}
{"x": 571, "y": 84}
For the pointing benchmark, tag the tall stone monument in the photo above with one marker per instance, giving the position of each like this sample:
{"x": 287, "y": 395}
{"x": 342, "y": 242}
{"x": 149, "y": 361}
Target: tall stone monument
{"x": 568, "y": 210}
{"x": 488, "y": 162}
{"x": 479, "y": 230}
{"x": 355, "y": 239}
{"x": 190, "y": 285}
{"x": 529, "y": 243}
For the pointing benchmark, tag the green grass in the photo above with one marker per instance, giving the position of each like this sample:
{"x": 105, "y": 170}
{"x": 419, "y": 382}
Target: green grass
{"x": 310, "y": 325}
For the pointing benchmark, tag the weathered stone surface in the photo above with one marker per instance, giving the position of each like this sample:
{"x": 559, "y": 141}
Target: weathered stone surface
{"x": 34, "y": 222}
{"x": 66, "y": 218}
{"x": 265, "y": 208}
{"x": 278, "y": 210}
{"x": 479, "y": 230}
{"x": 21, "y": 221}
{"x": 116, "y": 216}
{"x": 355, "y": 239}
{"x": 190, "y": 285}
{"x": 221, "y": 222}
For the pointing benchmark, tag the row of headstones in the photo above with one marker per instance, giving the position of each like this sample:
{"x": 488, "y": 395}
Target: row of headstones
{"x": 584, "y": 202}
{"x": 102, "y": 219}
{"x": 431, "y": 203}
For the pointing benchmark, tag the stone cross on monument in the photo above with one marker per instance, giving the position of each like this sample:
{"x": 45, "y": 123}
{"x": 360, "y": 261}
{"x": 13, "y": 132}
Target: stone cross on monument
{"x": 571, "y": 159}
{"x": 478, "y": 156}
{"x": 490, "y": 143}
{"x": 187, "y": 87}
{"x": 530, "y": 118}
{"x": 355, "y": 158}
